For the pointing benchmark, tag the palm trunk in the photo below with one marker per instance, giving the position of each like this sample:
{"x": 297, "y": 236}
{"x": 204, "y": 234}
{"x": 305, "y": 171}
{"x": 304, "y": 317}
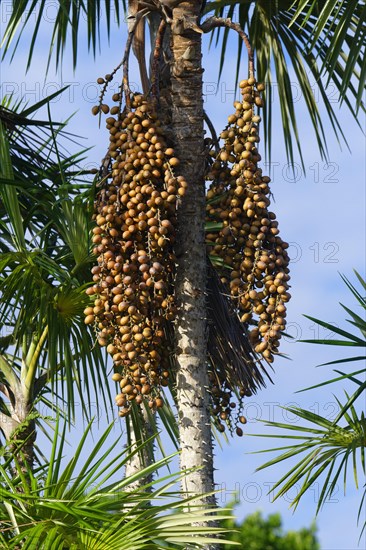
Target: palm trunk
{"x": 22, "y": 441}
{"x": 186, "y": 106}
{"x": 192, "y": 377}
{"x": 145, "y": 457}
{"x": 19, "y": 429}
{"x": 18, "y": 424}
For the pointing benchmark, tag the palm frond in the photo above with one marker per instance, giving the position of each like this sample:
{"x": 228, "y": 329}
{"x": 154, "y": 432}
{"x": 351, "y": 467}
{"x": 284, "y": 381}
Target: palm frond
{"x": 331, "y": 449}
{"x": 44, "y": 264}
{"x": 8, "y": 192}
{"x": 317, "y": 41}
{"x": 79, "y": 503}
{"x": 325, "y": 445}
{"x": 68, "y": 21}
{"x": 37, "y": 175}
{"x": 338, "y": 33}
{"x": 349, "y": 339}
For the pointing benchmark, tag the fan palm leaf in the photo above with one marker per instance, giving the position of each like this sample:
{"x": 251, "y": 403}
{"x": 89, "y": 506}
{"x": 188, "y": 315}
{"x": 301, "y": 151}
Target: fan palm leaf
{"x": 44, "y": 263}
{"x": 348, "y": 340}
{"x": 311, "y": 38}
{"x": 331, "y": 448}
{"x": 77, "y": 504}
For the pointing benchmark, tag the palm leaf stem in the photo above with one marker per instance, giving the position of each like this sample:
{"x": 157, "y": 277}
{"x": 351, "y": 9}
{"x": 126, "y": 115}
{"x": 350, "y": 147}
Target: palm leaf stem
{"x": 8, "y": 373}
{"x": 31, "y": 363}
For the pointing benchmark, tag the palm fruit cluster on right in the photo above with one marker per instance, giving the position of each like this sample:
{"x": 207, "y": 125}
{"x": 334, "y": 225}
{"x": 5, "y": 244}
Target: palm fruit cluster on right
{"x": 253, "y": 259}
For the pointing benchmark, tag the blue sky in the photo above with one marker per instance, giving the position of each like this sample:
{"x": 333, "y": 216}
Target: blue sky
{"x": 321, "y": 214}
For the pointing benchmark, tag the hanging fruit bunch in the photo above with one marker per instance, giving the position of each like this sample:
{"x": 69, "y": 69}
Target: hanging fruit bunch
{"x": 253, "y": 260}
{"x": 228, "y": 396}
{"x": 225, "y": 408}
{"x": 246, "y": 250}
{"x": 133, "y": 237}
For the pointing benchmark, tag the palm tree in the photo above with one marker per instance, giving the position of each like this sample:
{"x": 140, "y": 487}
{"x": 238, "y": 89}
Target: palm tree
{"x": 45, "y": 348}
{"x": 326, "y": 40}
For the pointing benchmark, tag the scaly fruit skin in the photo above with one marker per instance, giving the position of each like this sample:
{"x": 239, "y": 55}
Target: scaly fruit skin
{"x": 254, "y": 259}
{"x": 133, "y": 291}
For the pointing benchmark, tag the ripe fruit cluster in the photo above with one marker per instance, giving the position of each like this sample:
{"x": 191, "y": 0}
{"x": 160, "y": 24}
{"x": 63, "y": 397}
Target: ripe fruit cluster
{"x": 227, "y": 412}
{"x": 135, "y": 215}
{"x": 253, "y": 256}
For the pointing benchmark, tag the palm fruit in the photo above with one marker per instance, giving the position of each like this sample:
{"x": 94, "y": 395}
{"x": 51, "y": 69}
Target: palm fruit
{"x": 250, "y": 255}
{"x": 133, "y": 237}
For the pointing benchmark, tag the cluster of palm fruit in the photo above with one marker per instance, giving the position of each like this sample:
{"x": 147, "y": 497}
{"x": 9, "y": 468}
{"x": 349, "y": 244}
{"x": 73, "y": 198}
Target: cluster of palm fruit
{"x": 135, "y": 215}
{"x": 253, "y": 257}
{"x": 225, "y": 409}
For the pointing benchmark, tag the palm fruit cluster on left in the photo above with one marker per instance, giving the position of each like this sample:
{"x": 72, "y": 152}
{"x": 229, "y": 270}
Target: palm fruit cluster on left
{"x": 133, "y": 290}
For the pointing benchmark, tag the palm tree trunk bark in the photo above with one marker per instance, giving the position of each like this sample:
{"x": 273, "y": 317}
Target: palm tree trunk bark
{"x": 143, "y": 458}
{"x": 191, "y": 337}
{"x": 19, "y": 430}
{"x": 24, "y": 439}
{"x": 18, "y": 423}
{"x": 186, "y": 116}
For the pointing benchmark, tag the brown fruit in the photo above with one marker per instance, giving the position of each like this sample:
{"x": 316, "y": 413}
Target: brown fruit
{"x": 89, "y": 319}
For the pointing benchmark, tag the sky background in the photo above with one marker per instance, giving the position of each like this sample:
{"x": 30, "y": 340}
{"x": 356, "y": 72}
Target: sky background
{"x": 321, "y": 212}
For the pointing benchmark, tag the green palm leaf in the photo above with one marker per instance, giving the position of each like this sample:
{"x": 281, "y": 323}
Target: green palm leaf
{"x": 329, "y": 449}
{"x": 78, "y": 503}
{"x": 310, "y": 37}
{"x": 8, "y": 192}
{"x": 68, "y": 16}
{"x": 325, "y": 444}
{"x": 45, "y": 248}
{"x": 36, "y": 175}
{"x": 349, "y": 340}
{"x": 341, "y": 24}
{"x": 318, "y": 37}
